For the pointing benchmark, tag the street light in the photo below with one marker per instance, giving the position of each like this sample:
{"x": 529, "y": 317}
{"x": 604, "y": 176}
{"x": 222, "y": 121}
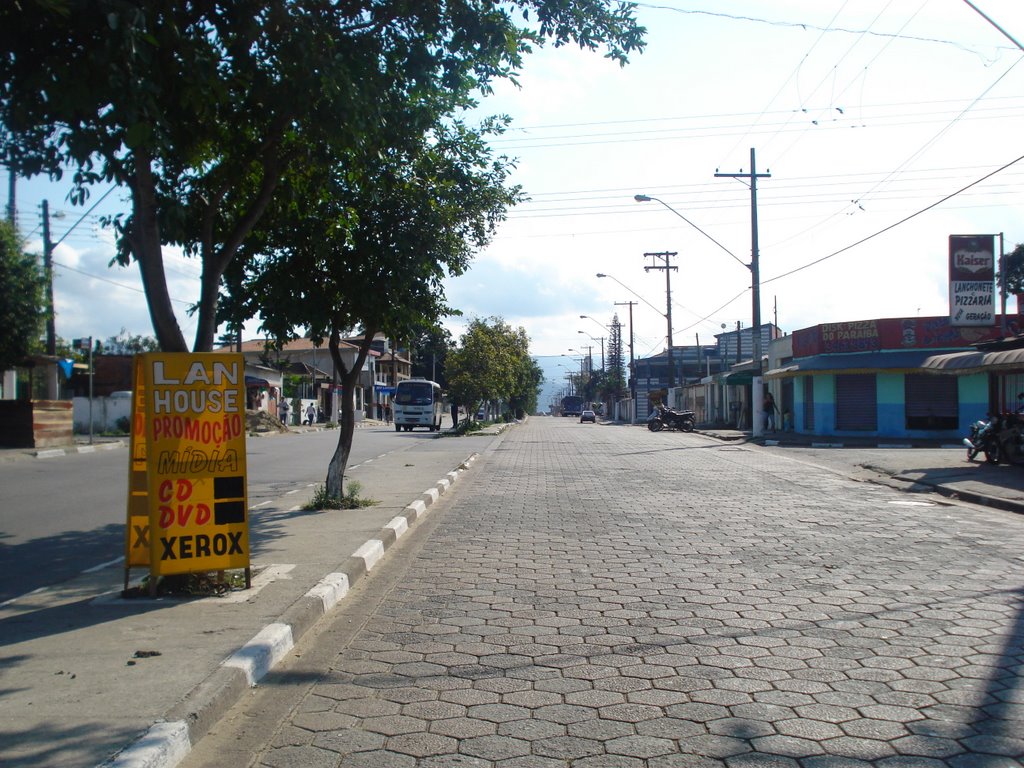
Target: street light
{"x": 666, "y": 315}
{"x": 645, "y": 301}
{"x": 588, "y": 317}
{"x": 755, "y": 291}
{"x": 601, "y": 339}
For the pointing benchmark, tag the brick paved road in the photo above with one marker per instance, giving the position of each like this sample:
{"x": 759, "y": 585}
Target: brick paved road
{"x": 604, "y": 597}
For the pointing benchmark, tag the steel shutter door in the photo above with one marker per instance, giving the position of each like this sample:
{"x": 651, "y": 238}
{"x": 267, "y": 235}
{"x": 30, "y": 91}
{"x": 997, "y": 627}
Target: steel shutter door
{"x": 856, "y": 402}
{"x": 932, "y": 402}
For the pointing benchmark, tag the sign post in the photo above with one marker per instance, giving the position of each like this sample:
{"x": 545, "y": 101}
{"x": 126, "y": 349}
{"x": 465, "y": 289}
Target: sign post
{"x": 188, "y": 474}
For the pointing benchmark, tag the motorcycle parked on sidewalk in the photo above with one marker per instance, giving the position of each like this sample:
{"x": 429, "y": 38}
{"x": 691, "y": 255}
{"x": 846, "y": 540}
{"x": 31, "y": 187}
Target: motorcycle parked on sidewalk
{"x": 1001, "y": 439}
{"x": 667, "y": 418}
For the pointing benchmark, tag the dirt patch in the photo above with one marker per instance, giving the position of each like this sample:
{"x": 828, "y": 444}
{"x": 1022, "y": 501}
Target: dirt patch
{"x": 261, "y": 421}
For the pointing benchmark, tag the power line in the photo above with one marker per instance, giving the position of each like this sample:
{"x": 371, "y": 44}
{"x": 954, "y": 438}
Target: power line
{"x": 904, "y": 220}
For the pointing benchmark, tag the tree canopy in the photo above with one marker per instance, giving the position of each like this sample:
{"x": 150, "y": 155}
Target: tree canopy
{"x": 372, "y": 253}
{"x": 21, "y": 300}
{"x": 206, "y": 111}
{"x": 492, "y": 362}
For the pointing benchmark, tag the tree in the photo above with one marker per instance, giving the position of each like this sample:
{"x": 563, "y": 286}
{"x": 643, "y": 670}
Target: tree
{"x": 613, "y": 384}
{"x": 429, "y": 352}
{"x": 127, "y": 344}
{"x": 208, "y": 112}
{"x": 530, "y": 377}
{"x": 323, "y": 268}
{"x": 21, "y": 299}
{"x": 1012, "y": 276}
{"x": 492, "y": 362}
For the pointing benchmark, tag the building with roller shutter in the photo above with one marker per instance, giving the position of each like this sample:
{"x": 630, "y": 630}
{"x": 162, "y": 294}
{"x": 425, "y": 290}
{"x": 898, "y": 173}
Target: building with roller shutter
{"x": 879, "y": 378}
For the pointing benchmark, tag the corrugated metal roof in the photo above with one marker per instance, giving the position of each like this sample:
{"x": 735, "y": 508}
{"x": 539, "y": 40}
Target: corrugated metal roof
{"x": 976, "y": 361}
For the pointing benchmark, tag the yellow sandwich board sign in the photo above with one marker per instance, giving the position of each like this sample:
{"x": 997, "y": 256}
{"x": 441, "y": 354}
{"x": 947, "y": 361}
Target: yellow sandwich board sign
{"x": 189, "y": 430}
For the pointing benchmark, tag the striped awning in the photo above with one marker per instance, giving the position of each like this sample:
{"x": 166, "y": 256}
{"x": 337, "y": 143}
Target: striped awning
{"x": 975, "y": 361}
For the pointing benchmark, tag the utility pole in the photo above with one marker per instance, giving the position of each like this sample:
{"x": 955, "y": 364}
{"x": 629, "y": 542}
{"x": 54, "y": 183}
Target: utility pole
{"x": 755, "y": 285}
{"x": 51, "y": 329}
{"x": 664, "y": 256}
{"x": 12, "y": 209}
{"x": 632, "y": 371}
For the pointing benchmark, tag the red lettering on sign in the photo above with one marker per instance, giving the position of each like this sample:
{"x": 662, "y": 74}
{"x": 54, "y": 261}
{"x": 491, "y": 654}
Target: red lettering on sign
{"x": 181, "y": 490}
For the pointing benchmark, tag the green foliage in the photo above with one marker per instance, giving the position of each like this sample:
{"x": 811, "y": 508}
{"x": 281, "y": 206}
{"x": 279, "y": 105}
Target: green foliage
{"x": 21, "y": 300}
{"x": 212, "y": 112}
{"x": 127, "y": 344}
{"x": 349, "y": 500}
{"x": 492, "y": 362}
{"x": 430, "y": 351}
{"x": 1012, "y": 276}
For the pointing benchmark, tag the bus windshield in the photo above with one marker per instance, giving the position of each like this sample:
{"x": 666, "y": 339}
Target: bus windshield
{"x": 414, "y": 393}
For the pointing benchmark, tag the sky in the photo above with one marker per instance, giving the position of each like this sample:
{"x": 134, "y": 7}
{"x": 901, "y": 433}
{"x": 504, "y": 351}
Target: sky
{"x": 881, "y": 128}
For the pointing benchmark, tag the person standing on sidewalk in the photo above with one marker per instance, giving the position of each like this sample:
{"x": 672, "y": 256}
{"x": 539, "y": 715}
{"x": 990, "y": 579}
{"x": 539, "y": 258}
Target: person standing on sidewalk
{"x": 769, "y": 408}
{"x": 282, "y": 410}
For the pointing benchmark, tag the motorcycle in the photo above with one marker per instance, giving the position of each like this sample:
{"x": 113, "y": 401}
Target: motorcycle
{"x": 666, "y": 418}
{"x": 1001, "y": 439}
{"x": 982, "y": 439}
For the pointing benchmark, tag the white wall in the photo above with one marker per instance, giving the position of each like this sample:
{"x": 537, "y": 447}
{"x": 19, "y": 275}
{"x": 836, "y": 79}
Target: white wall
{"x": 105, "y": 413}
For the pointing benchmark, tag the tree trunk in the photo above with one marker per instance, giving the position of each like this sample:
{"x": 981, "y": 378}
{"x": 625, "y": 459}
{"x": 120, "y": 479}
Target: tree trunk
{"x": 347, "y": 418}
{"x": 145, "y": 245}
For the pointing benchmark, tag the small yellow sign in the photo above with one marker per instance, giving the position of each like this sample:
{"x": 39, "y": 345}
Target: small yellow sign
{"x": 194, "y": 448}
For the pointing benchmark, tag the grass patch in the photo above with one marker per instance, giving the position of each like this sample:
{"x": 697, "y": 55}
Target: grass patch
{"x": 467, "y": 427}
{"x": 350, "y": 500}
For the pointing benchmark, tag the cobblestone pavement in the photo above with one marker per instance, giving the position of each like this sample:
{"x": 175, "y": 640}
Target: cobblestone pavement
{"x": 604, "y": 597}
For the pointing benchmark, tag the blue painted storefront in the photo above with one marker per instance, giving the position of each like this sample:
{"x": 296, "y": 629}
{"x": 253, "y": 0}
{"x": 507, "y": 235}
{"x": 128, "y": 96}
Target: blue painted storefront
{"x": 890, "y": 389}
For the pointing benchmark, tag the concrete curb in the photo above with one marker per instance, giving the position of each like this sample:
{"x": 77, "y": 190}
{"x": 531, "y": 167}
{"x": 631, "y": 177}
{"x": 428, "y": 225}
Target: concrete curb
{"x": 167, "y": 743}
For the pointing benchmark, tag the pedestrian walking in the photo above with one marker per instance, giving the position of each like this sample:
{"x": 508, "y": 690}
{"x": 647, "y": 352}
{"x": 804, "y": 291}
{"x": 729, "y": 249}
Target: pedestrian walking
{"x": 769, "y": 408}
{"x": 282, "y": 410}
{"x": 311, "y": 414}
{"x": 387, "y": 413}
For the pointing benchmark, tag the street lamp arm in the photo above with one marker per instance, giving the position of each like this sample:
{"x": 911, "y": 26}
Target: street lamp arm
{"x": 645, "y": 301}
{"x": 588, "y": 317}
{"x": 648, "y": 198}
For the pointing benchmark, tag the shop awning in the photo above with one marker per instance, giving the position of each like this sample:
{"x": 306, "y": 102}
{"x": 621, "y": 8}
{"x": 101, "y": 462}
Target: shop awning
{"x": 255, "y": 381}
{"x": 739, "y": 378}
{"x": 976, "y": 362}
{"x": 907, "y": 361}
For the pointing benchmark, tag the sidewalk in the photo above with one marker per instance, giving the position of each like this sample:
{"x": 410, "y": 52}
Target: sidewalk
{"x": 85, "y": 673}
{"x": 918, "y": 464}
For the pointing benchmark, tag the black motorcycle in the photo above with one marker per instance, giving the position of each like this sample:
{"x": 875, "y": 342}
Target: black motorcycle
{"x": 1001, "y": 439}
{"x": 982, "y": 439}
{"x": 667, "y": 418}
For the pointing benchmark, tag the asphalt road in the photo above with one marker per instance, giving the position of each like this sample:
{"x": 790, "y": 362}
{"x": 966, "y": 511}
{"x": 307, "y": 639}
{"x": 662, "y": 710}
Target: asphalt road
{"x": 62, "y": 515}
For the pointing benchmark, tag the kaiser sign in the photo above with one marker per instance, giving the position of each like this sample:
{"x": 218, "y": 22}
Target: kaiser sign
{"x": 972, "y": 271}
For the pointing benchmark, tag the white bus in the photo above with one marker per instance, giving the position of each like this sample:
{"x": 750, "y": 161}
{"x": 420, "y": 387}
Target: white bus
{"x": 418, "y": 404}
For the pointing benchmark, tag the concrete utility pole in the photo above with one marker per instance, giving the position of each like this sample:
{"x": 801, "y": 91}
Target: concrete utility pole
{"x": 632, "y": 371}
{"x": 668, "y": 268}
{"x": 755, "y": 287}
{"x": 51, "y": 327}
{"x": 12, "y": 208}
